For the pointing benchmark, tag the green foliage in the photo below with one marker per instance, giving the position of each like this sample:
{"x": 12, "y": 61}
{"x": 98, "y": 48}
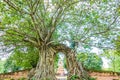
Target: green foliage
{"x": 115, "y": 64}
{"x": 114, "y": 59}
{"x": 76, "y": 20}
{"x": 90, "y": 61}
{"x": 56, "y": 61}
{"x": 26, "y": 57}
{"x": 65, "y": 65}
{"x": 35, "y": 23}
{"x": 1, "y": 66}
{"x": 22, "y": 78}
{"x": 117, "y": 44}
{"x": 10, "y": 66}
{"x": 90, "y": 78}
{"x": 22, "y": 59}
{"x": 74, "y": 77}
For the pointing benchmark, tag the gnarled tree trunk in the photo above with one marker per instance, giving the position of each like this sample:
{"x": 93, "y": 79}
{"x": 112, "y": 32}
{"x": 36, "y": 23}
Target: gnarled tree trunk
{"x": 45, "y": 66}
{"x": 31, "y": 74}
{"x": 74, "y": 68}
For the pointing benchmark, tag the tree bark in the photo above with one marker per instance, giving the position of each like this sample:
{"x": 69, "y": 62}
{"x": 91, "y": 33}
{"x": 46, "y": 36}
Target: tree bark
{"x": 45, "y": 67}
{"x": 74, "y": 68}
{"x": 31, "y": 74}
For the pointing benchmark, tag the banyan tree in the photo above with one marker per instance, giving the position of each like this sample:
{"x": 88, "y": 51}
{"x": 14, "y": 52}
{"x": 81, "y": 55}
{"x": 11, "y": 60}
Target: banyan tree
{"x": 51, "y": 25}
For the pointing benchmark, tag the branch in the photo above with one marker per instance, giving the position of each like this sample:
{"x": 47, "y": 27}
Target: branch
{"x": 15, "y": 7}
{"x": 61, "y": 48}
{"x": 109, "y": 27}
{"x": 102, "y": 32}
{"x": 34, "y": 17}
{"x": 26, "y": 37}
{"x": 36, "y": 5}
{"x": 55, "y": 19}
{"x": 53, "y": 24}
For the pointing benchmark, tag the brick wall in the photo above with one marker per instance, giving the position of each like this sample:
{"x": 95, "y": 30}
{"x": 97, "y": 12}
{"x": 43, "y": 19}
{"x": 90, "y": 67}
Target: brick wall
{"x": 98, "y": 75}
{"x": 105, "y": 75}
{"x": 14, "y": 75}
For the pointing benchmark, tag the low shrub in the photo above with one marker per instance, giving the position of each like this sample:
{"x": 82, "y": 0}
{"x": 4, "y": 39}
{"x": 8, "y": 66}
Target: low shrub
{"x": 74, "y": 77}
{"x": 22, "y": 78}
{"x": 90, "y": 78}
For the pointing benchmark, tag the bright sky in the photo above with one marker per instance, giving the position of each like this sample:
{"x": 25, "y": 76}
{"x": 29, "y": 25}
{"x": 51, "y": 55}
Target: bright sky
{"x": 105, "y": 61}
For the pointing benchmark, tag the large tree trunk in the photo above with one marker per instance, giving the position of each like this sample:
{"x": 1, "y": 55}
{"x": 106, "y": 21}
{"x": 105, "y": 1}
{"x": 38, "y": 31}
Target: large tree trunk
{"x": 45, "y": 67}
{"x": 74, "y": 68}
{"x": 31, "y": 74}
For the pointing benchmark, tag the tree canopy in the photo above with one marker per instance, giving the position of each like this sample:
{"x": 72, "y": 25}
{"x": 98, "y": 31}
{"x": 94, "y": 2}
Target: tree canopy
{"x": 90, "y": 61}
{"x": 82, "y": 21}
{"x": 48, "y": 25}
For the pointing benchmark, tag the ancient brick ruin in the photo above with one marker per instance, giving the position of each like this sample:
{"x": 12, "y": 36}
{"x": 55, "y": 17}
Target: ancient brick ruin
{"x": 99, "y": 75}
{"x": 105, "y": 75}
